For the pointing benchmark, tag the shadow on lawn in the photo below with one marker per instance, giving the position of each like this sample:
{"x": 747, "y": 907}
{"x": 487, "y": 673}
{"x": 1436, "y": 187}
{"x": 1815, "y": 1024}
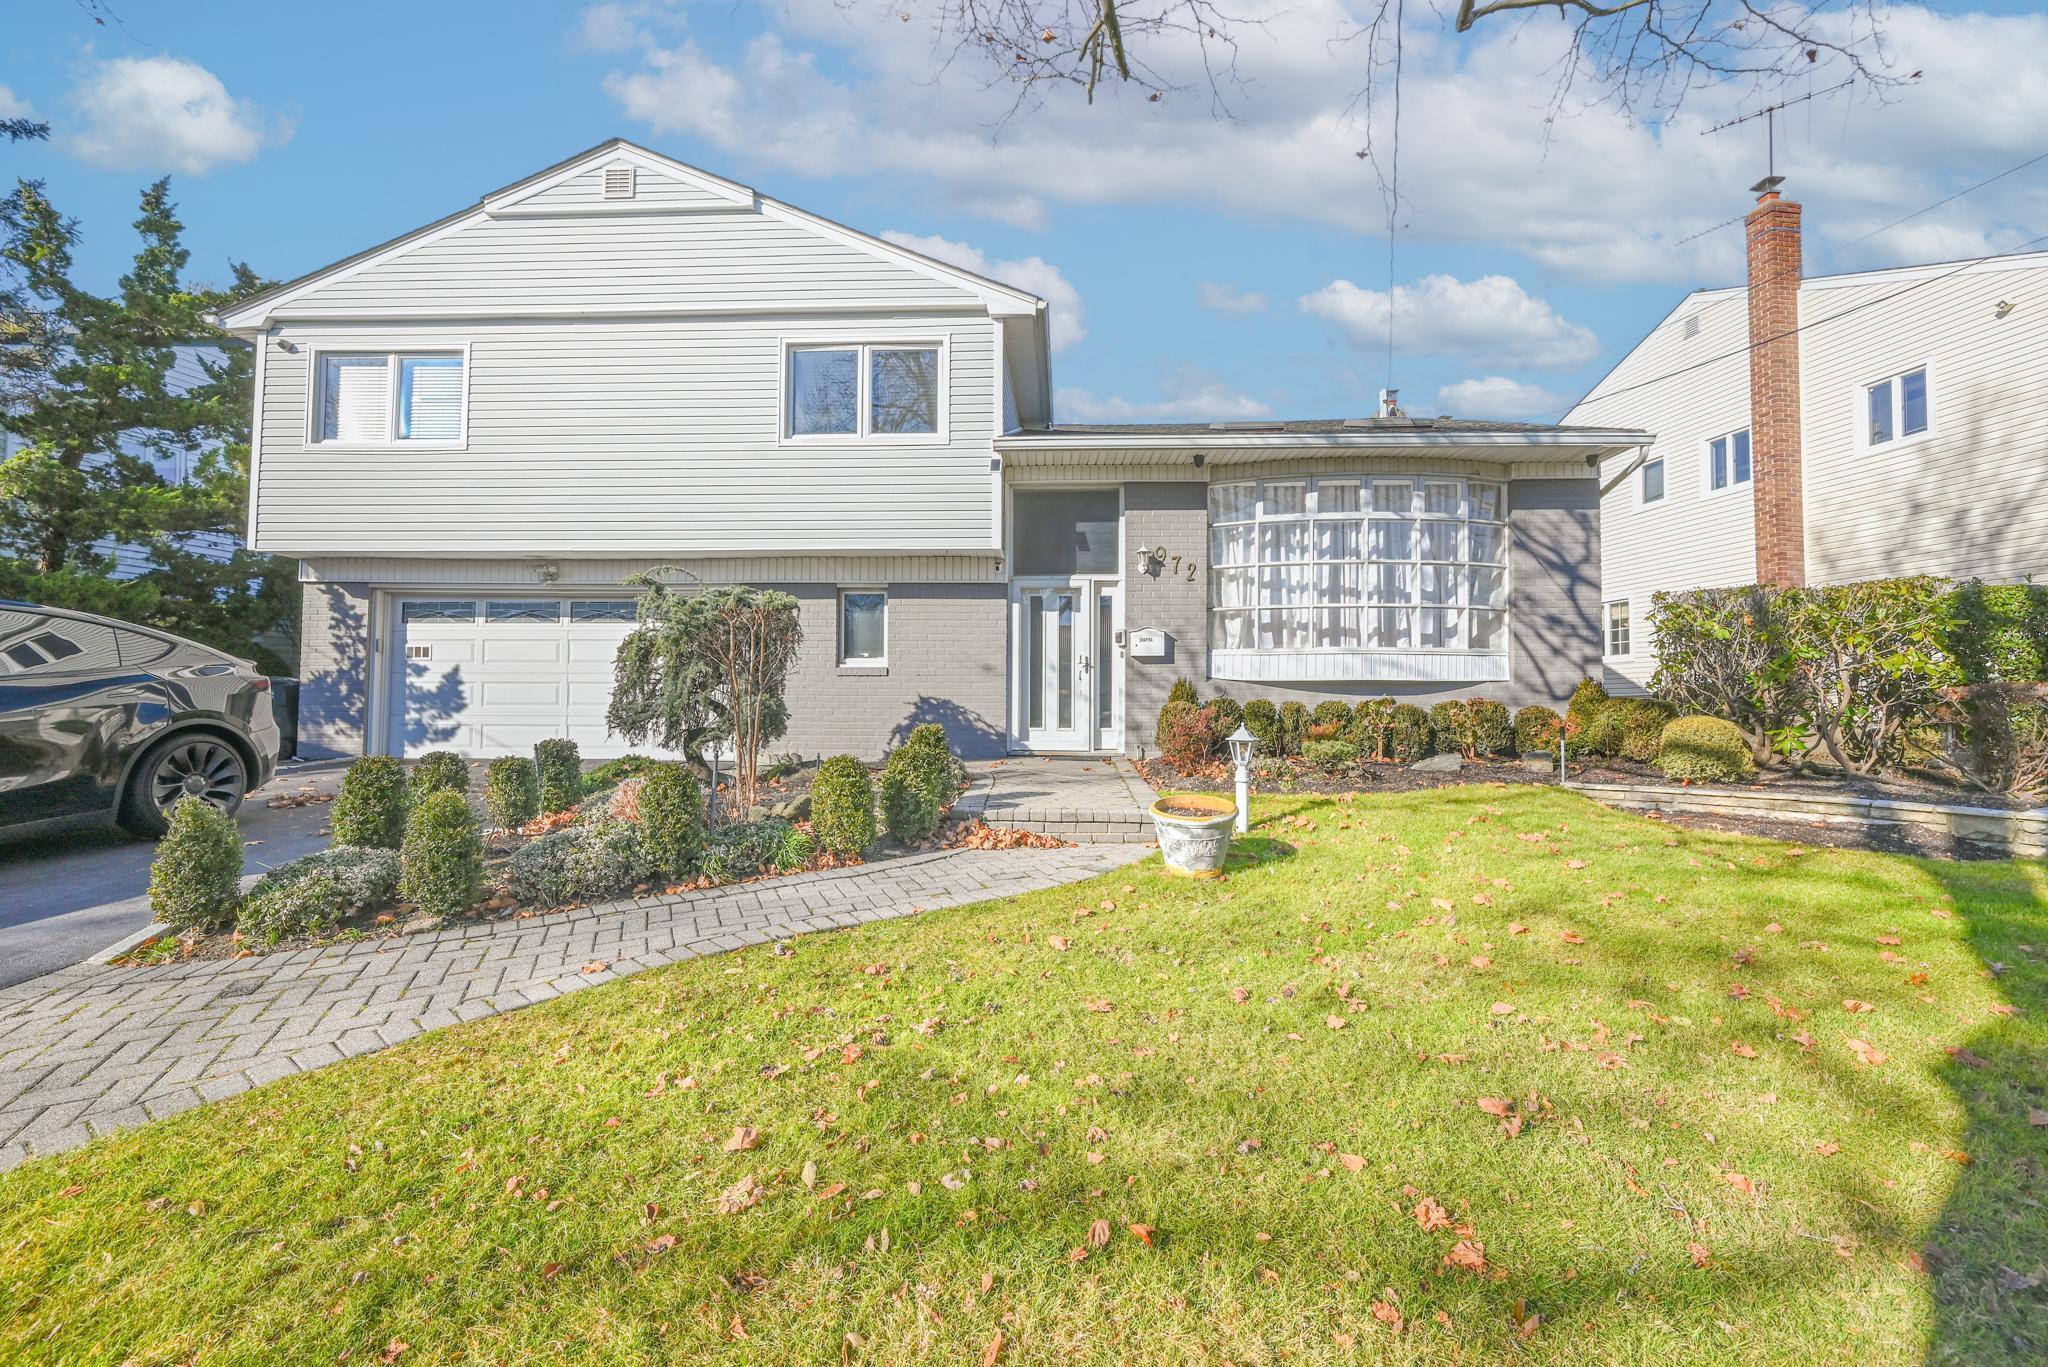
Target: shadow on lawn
{"x": 1987, "y": 1254}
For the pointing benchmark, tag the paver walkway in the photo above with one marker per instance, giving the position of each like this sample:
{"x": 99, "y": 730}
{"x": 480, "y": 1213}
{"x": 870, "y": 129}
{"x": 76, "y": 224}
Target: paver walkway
{"x": 93, "y": 1048}
{"x": 1085, "y": 799}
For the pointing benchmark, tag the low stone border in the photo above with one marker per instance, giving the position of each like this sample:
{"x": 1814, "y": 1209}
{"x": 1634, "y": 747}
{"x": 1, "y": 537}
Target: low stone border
{"x": 2020, "y": 833}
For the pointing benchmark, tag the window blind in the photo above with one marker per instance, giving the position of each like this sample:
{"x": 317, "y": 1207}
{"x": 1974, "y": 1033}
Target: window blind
{"x": 354, "y": 392}
{"x": 430, "y": 398}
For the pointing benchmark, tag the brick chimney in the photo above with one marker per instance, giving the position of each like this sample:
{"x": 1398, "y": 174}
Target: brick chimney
{"x": 1778, "y": 484}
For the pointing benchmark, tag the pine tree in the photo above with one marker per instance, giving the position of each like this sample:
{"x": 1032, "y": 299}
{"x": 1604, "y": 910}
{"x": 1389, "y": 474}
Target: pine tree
{"x": 86, "y": 384}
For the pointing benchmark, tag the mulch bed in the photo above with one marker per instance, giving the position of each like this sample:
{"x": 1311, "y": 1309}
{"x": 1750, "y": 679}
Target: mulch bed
{"x": 1913, "y": 786}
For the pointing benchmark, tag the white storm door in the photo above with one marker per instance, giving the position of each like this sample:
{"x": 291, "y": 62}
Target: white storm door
{"x": 1053, "y": 704}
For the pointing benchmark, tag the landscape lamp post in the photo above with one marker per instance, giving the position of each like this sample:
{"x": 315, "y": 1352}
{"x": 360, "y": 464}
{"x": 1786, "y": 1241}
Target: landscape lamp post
{"x": 1241, "y": 742}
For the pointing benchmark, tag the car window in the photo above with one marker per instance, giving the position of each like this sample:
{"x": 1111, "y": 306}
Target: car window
{"x": 31, "y": 643}
{"x": 138, "y": 648}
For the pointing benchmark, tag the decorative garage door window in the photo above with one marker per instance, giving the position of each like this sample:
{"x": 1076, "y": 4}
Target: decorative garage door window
{"x": 601, "y": 610}
{"x": 523, "y": 610}
{"x": 1358, "y": 563}
{"x": 439, "y": 610}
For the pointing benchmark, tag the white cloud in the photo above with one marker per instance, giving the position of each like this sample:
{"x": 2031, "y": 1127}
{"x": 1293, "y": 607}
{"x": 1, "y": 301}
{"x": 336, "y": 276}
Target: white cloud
{"x": 1497, "y": 396}
{"x": 12, "y": 106}
{"x": 835, "y": 89}
{"x": 1189, "y": 395}
{"x": 622, "y": 25}
{"x": 1228, "y": 298}
{"x": 1491, "y": 320}
{"x": 1040, "y": 277}
{"x": 164, "y": 114}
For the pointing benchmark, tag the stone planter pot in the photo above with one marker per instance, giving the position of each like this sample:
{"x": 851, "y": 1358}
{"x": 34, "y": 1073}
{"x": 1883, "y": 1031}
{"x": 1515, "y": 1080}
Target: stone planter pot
{"x": 1194, "y": 832}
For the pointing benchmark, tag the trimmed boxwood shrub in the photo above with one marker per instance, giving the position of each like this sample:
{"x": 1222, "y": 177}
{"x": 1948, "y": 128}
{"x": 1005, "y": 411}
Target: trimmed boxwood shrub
{"x": 1447, "y": 723}
{"x": 1330, "y": 712}
{"x": 1585, "y": 703}
{"x": 1628, "y": 728}
{"x": 1262, "y": 719}
{"x": 195, "y": 881}
{"x": 511, "y": 792}
{"x": 1187, "y": 735}
{"x": 442, "y": 860}
{"x": 1488, "y": 729}
{"x": 1408, "y": 733}
{"x": 1329, "y": 754}
{"x": 671, "y": 819}
{"x": 1704, "y": 750}
{"x": 370, "y": 809}
{"x": 559, "y": 766}
{"x": 1293, "y": 726}
{"x": 915, "y": 785}
{"x": 1537, "y": 729}
{"x": 1369, "y": 727}
{"x": 843, "y": 806}
{"x": 1182, "y": 691}
{"x": 439, "y": 771}
{"x": 1228, "y": 716}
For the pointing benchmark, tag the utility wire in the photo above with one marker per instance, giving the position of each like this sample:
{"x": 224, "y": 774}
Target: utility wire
{"x": 1958, "y": 269}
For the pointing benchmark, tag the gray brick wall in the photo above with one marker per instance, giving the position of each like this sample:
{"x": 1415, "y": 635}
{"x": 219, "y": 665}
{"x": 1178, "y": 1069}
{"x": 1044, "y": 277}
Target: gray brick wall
{"x": 334, "y": 662}
{"x": 947, "y": 664}
{"x": 1554, "y": 619}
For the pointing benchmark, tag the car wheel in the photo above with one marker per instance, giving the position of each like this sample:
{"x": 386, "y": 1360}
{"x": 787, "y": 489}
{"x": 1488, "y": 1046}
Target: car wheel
{"x": 195, "y": 766}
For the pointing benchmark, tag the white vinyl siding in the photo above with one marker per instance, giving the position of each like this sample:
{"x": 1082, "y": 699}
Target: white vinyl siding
{"x": 632, "y": 437}
{"x": 617, "y": 264}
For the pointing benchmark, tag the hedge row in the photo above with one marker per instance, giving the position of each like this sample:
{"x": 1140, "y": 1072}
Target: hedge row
{"x": 1332, "y": 734}
{"x": 1874, "y": 674}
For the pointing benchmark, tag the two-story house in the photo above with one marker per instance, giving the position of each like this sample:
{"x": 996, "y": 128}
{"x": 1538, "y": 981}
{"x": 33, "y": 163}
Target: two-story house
{"x": 1825, "y": 429}
{"x": 470, "y": 434}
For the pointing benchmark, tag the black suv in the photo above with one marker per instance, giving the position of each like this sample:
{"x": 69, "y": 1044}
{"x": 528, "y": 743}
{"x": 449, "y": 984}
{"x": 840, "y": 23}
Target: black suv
{"x": 98, "y": 716}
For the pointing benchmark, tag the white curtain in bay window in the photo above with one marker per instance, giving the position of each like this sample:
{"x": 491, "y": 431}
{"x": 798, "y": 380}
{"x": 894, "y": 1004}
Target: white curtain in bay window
{"x": 353, "y": 393}
{"x": 430, "y": 398}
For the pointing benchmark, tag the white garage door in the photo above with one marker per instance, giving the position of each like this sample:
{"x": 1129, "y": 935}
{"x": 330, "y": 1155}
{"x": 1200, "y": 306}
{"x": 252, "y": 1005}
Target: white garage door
{"x": 491, "y": 676}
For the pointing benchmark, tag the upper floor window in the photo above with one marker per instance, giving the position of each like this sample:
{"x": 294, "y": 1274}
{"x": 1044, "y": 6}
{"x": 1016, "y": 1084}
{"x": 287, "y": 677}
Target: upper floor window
{"x": 377, "y": 398}
{"x": 1728, "y": 461}
{"x": 1653, "y": 480}
{"x": 1350, "y": 563}
{"x": 1895, "y": 408}
{"x": 863, "y": 391}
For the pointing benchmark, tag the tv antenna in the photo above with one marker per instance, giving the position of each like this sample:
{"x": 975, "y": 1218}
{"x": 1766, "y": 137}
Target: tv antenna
{"x": 1769, "y": 114}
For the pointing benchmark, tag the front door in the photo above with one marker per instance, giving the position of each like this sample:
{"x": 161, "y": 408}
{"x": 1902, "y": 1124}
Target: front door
{"x": 1067, "y": 680}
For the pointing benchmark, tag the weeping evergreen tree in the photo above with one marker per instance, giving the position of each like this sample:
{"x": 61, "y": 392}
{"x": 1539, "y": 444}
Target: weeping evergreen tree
{"x": 706, "y": 669}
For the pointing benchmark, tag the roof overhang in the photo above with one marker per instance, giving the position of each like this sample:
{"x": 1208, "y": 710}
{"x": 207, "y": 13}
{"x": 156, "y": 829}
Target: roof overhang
{"x": 1221, "y": 448}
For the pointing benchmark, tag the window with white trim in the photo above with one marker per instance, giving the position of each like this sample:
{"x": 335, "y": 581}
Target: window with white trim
{"x": 1653, "y": 480}
{"x": 1728, "y": 461}
{"x": 878, "y": 390}
{"x": 386, "y": 398}
{"x": 1895, "y": 408}
{"x": 1358, "y": 563}
{"x": 1618, "y": 643}
{"x": 864, "y": 627}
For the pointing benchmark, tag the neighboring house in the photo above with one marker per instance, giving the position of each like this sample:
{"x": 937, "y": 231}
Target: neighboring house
{"x": 1825, "y": 429}
{"x": 132, "y": 561}
{"x": 470, "y": 434}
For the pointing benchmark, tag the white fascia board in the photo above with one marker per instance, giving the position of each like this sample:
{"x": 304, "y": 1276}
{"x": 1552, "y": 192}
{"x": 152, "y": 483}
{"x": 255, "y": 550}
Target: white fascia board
{"x": 1001, "y": 300}
{"x": 1590, "y": 443}
{"x": 1928, "y": 271}
{"x": 258, "y": 313}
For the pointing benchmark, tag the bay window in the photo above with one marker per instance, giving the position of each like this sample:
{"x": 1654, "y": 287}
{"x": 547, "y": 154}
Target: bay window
{"x": 1358, "y": 563}
{"x": 386, "y": 398}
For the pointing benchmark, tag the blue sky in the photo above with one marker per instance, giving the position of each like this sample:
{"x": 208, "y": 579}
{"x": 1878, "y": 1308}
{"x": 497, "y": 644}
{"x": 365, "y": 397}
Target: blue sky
{"x": 1207, "y": 257}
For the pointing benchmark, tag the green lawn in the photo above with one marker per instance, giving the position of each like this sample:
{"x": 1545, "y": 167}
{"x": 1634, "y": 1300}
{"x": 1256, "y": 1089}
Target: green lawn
{"x": 1273, "y": 1073}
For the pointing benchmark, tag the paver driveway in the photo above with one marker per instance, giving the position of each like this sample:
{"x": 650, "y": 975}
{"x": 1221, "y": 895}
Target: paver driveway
{"x": 92, "y": 1048}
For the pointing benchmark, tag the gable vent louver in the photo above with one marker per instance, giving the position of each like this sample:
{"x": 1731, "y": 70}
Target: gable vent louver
{"x": 1692, "y": 327}
{"x": 618, "y": 182}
